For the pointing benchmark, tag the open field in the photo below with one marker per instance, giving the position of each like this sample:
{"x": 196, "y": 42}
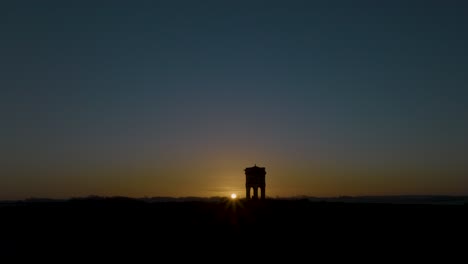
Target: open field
{"x": 114, "y": 227}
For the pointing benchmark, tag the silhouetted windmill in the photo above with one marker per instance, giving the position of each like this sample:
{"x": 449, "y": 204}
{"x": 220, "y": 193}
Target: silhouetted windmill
{"x": 255, "y": 178}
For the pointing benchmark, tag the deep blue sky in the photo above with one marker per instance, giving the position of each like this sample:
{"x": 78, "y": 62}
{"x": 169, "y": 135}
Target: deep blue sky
{"x": 177, "y": 97}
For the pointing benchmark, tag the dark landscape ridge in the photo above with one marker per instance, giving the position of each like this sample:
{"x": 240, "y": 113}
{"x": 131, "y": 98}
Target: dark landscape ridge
{"x": 385, "y": 199}
{"x": 117, "y": 226}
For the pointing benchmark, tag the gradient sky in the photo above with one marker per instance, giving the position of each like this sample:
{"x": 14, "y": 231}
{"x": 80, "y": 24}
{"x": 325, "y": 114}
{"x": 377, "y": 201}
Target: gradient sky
{"x": 176, "y": 98}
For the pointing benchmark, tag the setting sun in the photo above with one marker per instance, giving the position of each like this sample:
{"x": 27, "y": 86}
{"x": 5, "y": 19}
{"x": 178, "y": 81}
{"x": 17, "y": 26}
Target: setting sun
{"x": 233, "y": 196}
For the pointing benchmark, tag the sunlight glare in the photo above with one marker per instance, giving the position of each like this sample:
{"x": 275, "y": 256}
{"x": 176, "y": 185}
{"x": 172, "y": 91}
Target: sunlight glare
{"x": 233, "y": 196}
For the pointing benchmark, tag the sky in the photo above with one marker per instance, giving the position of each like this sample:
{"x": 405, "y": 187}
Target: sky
{"x": 177, "y": 98}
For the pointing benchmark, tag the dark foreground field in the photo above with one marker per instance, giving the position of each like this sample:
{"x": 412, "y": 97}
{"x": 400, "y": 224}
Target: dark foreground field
{"x": 114, "y": 228}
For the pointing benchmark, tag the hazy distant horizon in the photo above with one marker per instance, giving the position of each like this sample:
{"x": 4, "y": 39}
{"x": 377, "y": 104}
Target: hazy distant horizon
{"x": 242, "y": 197}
